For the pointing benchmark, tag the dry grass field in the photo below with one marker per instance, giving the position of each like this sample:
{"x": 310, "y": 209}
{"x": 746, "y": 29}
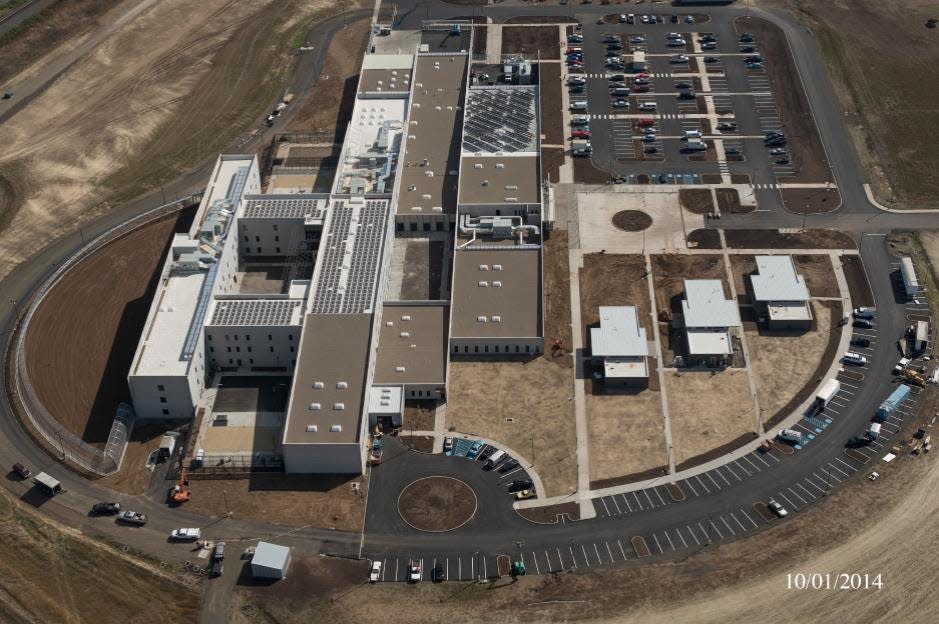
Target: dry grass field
{"x": 537, "y": 395}
{"x": 627, "y": 434}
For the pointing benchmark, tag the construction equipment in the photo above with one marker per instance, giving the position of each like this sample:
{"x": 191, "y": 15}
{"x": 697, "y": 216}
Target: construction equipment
{"x": 180, "y": 492}
{"x": 913, "y": 377}
{"x": 518, "y": 569}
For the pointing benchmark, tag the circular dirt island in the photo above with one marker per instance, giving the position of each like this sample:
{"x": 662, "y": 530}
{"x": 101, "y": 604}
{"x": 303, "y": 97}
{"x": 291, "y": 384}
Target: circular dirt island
{"x": 632, "y": 220}
{"x": 437, "y": 504}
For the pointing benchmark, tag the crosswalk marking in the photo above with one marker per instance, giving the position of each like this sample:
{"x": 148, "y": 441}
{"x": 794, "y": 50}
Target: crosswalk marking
{"x": 765, "y": 186}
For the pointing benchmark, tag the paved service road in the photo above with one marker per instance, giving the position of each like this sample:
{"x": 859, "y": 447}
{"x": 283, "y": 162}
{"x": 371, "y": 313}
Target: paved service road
{"x": 718, "y": 505}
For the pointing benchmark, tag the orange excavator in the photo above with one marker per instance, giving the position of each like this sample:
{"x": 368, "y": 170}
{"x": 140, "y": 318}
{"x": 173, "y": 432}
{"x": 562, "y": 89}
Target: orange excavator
{"x": 180, "y": 492}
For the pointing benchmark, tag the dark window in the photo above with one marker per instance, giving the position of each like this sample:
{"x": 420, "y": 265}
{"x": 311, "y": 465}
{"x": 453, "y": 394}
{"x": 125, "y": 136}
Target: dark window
{"x": 486, "y": 347}
{"x": 456, "y": 349}
{"x": 161, "y": 388}
{"x": 427, "y": 226}
{"x": 289, "y": 336}
{"x": 259, "y": 250}
{"x": 276, "y": 238}
{"x": 291, "y": 349}
{"x": 228, "y": 349}
{"x": 257, "y": 239}
{"x": 249, "y": 349}
{"x": 162, "y": 399}
{"x": 272, "y": 349}
{"x": 248, "y": 337}
{"x": 277, "y": 249}
{"x": 237, "y": 349}
{"x": 275, "y": 227}
{"x": 247, "y": 238}
{"x": 399, "y": 226}
{"x": 439, "y": 226}
{"x": 166, "y": 412}
{"x": 211, "y": 349}
{"x": 527, "y": 348}
{"x": 209, "y": 337}
{"x": 475, "y": 348}
{"x": 413, "y": 226}
{"x": 251, "y": 361}
{"x": 497, "y": 348}
{"x": 270, "y": 337}
{"x": 516, "y": 348}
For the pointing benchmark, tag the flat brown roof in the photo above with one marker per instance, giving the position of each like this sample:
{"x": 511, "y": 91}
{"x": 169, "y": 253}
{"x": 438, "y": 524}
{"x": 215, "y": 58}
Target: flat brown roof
{"x": 412, "y": 345}
{"x": 432, "y": 145}
{"x": 329, "y": 379}
{"x": 500, "y": 180}
{"x": 512, "y": 292}
{"x": 382, "y": 80}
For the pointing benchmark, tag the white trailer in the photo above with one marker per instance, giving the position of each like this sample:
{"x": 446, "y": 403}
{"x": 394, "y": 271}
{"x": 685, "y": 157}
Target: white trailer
{"x": 920, "y": 336}
{"x": 827, "y": 392}
{"x": 908, "y": 273}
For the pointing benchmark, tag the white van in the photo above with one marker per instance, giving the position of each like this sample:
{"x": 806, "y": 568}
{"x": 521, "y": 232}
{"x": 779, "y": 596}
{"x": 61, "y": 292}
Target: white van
{"x": 494, "y": 459}
{"x": 579, "y": 106}
{"x": 692, "y": 134}
{"x": 873, "y": 431}
{"x": 854, "y": 358}
{"x": 648, "y": 106}
{"x": 790, "y": 435}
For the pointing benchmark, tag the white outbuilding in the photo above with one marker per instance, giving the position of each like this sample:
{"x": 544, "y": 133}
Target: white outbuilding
{"x": 270, "y": 561}
{"x": 620, "y": 346}
{"x": 782, "y": 291}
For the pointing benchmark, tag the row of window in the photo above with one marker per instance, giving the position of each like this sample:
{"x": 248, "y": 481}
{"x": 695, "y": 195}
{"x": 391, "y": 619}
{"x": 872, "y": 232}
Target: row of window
{"x": 238, "y": 349}
{"x": 231, "y": 362}
{"x": 244, "y": 226}
{"x": 257, "y": 239}
{"x": 466, "y": 349}
{"x": 426, "y": 226}
{"x": 234, "y": 337}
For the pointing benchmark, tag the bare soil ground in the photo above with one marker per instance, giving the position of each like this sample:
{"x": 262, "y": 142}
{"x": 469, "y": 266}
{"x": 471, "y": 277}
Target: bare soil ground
{"x": 626, "y": 434}
{"x": 419, "y": 415}
{"x": 614, "y": 280}
{"x": 164, "y": 92}
{"x": 810, "y": 200}
{"x": 537, "y": 395}
{"x": 479, "y": 39}
{"x": 728, "y": 200}
{"x": 884, "y": 62}
{"x": 437, "y": 504}
{"x": 819, "y": 275}
{"x": 294, "y": 500}
{"x": 831, "y": 335}
{"x": 551, "y": 160}
{"x": 549, "y": 514}
{"x": 631, "y": 220}
{"x": 773, "y": 239}
{"x": 552, "y": 123}
{"x": 858, "y": 286}
{"x": 421, "y": 444}
{"x": 78, "y": 362}
{"x": 556, "y": 280}
{"x": 704, "y": 239}
{"x": 670, "y": 272}
{"x": 586, "y": 173}
{"x": 328, "y": 108}
{"x": 743, "y": 266}
{"x": 543, "y": 41}
{"x": 697, "y": 201}
{"x": 784, "y": 361}
{"x": 134, "y": 477}
{"x": 49, "y": 573}
{"x": 707, "y": 410}
{"x": 798, "y": 123}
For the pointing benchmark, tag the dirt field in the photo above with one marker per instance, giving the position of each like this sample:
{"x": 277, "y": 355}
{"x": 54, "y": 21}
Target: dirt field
{"x": 586, "y": 173}
{"x": 704, "y": 239}
{"x": 78, "y": 362}
{"x": 294, "y": 500}
{"x": 551, "y": 160}
{"x": 329, "y": 105}
{"x": 698, "y": 201}
{"x": 539, "y": 397}
{"x": 819, "y": 275}
{"x": 627, "y": 434}
{"x": 557, "y": 297}
{"x": 798, "y": 124}
{"x": 728, "y": 200}
{"x": 51, "y": 574}
{"x": 707, "y": 410}
{"x": 111, "y": 125}
{"x": 552, "y": 123}
{"x": 874, "y": 51}
{"x": 772, "y": 239}
{"x": 437, "y": 504}
{"x": 419, "y": 415}
{"x": 541, "y": 41}
{"x": 858, "y": 286}
{"x": 811, "y": 200}
{"x": 783, "y": 361}
{"x": 670, "y": 272}
{"x": 613, "y": 280}
{"x": 743, "y": 266}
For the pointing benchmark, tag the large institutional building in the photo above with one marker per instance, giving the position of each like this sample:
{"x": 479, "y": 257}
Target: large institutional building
{"x": 428, "y": 154}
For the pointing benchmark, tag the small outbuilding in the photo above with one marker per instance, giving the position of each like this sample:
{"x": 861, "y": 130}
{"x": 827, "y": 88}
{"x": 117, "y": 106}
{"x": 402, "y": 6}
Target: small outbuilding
{"x": 782, "y": 292}
{"x": 709, "y": 316}
{"x": 620, "y": 346}
{"x": 270, "y": 561}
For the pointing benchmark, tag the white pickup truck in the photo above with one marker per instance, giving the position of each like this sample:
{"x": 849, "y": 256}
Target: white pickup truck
{"x": 181, "y": 535}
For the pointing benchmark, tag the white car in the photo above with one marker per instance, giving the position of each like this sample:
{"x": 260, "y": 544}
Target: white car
{"x": 132, "y": 517}
{"x": 778, "y": 509}
{"x": 903, "y": 363}
{"x": 414, "y": 571}
{"x": 648, "y": 106}
{"x": 180, "y": 535}
{"x": 790, "y": 435}
{"x": 375, "y": 575}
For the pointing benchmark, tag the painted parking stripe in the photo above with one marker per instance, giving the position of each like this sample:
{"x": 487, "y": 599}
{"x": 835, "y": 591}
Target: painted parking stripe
{"x": 587, "y": 559}
{"x": 573, "y": 558}
{"x": 737, "y": 463}
{"x": 773, "y": 457}
{"x": 625, "y": 500}
{"x": 731, "y": 470}
{"x": 609, "y": 551}
{"x": 788, "y": 501}
{"x": 701, "y": 483}
{"x": 638, "y": 502}
{"x": 718, "y": 531}
{"x": 688, "y": 483}
{"x": 797, "y": 495}
{"x": 670, "y": 543}
{"x": 813, "y": 484}
{"x": 615, "y": 504}
{"x": 560, "y": 558}
{"x": 712, "y": 480}
{"x": 605, "y": 508}
{"x": 693, "y": 535}
{"x": 740, "y": 524}
{"x": 651, "y": 504}
{"x": 747, "y": 516}
{"x": 396, "y": 569}
{"x": 485, "y": 569}
{"x": 681, "y": 537}
{"x": 846, "y": 464}
{"x": 760, "y": 458}
{"x": 804, "y": 489}
{"x": 727, "y": 524}
{"x": 656, "y": 540}
{"x": 659, "y": 494}
{"x": 829, "y": 475}
{"x": 721, "y": 474}
{"x": 597, "y": 550}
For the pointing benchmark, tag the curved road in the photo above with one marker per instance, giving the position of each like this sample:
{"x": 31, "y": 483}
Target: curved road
{"x": 717, "y": 506}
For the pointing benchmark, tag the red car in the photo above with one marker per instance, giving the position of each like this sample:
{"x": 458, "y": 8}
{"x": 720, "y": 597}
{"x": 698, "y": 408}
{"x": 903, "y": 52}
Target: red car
{"x": 580, "y": 134}
{"x": 643, "y": 75}
{"x": 646, "y": 122}
{"x": 641, "y": 89}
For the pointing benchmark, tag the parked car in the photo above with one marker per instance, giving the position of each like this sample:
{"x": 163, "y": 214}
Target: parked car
{"x": 474, "y": 450}
{"x": 614, "y": 53}
{"x": 857, "y": 441}
{"x": 747, "y": 49}
{"x": 645, "y": 121}
{"x": 617, "y": 78}
{"x": 777, "y": 509}
{"x": 617, "y": 66}
{"x": 615, "y": 47}
{"x": 132, "y": 517}
{"x": 753, "y": 59}
{"x": 22, "y": 471}
{"x": 437, "y": 574}
{"x": 447, "y": 444}
{"x": 648, "y": 138}
{"x": 651, "y": 149}
{"x": 618, "y": 85}
{"x": 746, "y": 38}
{"x": 637, "y": 39}
{"x": 487, "y": 452}
{"x": 899, "y": 366}
{"x": 777, "y": 142}
{"x": 105, "y": 509}
{"x": 732, "y": 151}
{"x": 727, "y": 126}
{"x": 648, "y": 106}
{"x": 853, "y": 358}
{"x": 777, "y": 151}
{"x": 684, "y": 84}
{"x": 185, "y": 535}
{"x": 663, "y": 178}
{"x": 679, "y": 59}
{"x": 863, "y": 324}
{"x": 218, "y": 558}
{"x": 864, "y": 313}
{"x": 510, "y": 464}
{"x": 790, "y": 435}
{"x": 580, "y": 120}
{"x": 711, "y": 59}
{"x": 754, "y": 65}
{"x": 612, "y": 39}
{"x": 375, "y": 575}
{"x": 620, "y": 104}
{"x": 520, "y": 484}
{"x": 580, "y": 134}
{"x": 524, "y": 494}
{"x": 689, "y": 19}
{"x": 860, "y": 342}
{"x": 642, "y": 81}
{"x": 7, "y": 95}
{"x": 623, "y": 18}
{"x": 576, "y": 89}
{"x": 414, "y": 571}
{"x": 676, "y": 43}
{"x": 709, "y": 46}
{"x": 673, "y": 19}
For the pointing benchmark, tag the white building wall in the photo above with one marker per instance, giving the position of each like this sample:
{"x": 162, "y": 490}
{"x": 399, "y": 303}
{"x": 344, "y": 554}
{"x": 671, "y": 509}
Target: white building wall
{"x": 325, "y": 458}
{"x": 253, "y": 346}
{"x": 162, "y": 398}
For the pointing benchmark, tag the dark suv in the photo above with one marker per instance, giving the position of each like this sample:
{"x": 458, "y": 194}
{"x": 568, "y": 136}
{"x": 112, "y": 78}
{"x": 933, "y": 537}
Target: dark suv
{"x": 105, "y": 509}
{"x": 520, "y": 484}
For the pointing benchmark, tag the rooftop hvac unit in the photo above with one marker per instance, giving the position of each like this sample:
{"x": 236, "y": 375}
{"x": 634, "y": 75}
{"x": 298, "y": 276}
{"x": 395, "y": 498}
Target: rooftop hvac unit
{"x": 497, "y": 284}
{"x": 335, "y": 429}
{"x": 497, "y": 267}
{"x": 314, "y": 407}
{"x": 480, "y": 319}
{"x": 339, "y": 406}
{"x": 500, "y": 165}
{"x": 384, "y": 403}
{"x": 406, "y": 317}
{"x": 429, "y": 173}
{"x": 496, "y": 319}
{"x": 342, "y": 385}
{"x": 512, "y": 187}
{"x": 425, "y": 196}
{"x": 389, "y": 324}
{"x": 483, "y": 284}
{"x": 485, "y": 183}
{"x": 311, "y": 428}
{"x": 477, "y": 166}
{"x": 484, "y": 267}
{"x": 318, "y": 385}
{"x": 511, "y": 199}
{"x": 399, "y": 369}
{"x": 405, "y": 334}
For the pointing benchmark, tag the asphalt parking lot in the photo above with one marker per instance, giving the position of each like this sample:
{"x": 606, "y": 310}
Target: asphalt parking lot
{"x": 727, "y": 88}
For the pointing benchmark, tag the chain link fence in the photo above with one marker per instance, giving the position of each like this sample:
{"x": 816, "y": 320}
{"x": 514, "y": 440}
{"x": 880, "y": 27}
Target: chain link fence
{"x": 101, "y": 461}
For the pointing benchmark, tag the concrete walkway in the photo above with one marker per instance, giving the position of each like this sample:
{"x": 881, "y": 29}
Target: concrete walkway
{"x": 576, "y": 262}
{"x": 660, "y": 371}
{"x": 494, "y": 44}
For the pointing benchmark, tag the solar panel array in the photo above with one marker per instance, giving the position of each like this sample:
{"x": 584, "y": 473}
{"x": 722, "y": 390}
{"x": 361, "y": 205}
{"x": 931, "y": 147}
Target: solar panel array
{"x": 500, "y": 120}
{"x": 263, "y": 312}
{"x": 293, "y": 208}
{"x": 351, "y": 253}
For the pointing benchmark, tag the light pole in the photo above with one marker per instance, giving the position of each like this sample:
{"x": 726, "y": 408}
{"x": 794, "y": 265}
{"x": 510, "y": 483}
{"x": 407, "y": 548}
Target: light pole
{"x": 476, "y": 560}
